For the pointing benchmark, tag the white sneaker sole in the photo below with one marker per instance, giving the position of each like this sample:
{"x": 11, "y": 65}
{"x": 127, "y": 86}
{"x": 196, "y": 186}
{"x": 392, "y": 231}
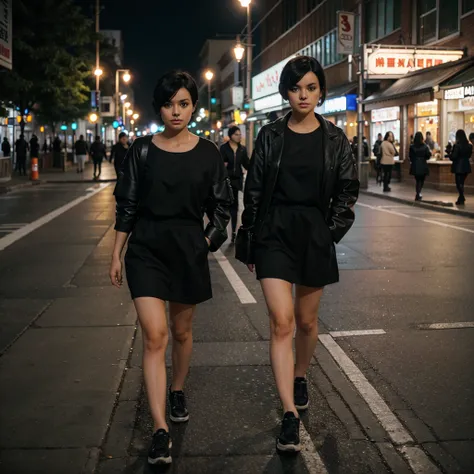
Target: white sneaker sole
{"x": 183, "y": 419}
{"x": 288, "y": 448}
{"x": 302, "y": 407}
{"x": 162, "y": 460}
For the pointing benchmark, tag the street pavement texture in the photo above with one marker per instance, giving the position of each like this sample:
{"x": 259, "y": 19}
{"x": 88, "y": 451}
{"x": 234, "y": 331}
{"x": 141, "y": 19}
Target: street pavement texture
{"x": 391, "y": 384}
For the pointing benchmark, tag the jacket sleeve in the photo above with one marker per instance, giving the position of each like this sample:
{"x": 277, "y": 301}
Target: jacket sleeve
{"x": 346, "y": 192}
{"x": 218, "y": 206}
{"x": 245, "y": 159}
{"x": 126, "y": 190}
{"x": 253, "y": 192}
{"x": 412, "y": 154}
{"x": 427, "y": 152}
{"x": 455, "y": 154}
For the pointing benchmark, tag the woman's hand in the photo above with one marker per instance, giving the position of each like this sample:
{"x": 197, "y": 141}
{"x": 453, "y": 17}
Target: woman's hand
{"x": 251, "y": 267}
{"x": 116, "y": 272}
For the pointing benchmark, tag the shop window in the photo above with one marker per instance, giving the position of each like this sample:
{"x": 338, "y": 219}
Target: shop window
{"x": 467, "y": 6}
{"x": 437, "y": 19}
{"x": 383, "y": 17}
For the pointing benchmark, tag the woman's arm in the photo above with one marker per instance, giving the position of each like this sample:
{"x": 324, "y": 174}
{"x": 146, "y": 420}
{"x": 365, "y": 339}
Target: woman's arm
{"x": 220, "y": 200}
{"x": 412, "y": 154}
{"x": 345, "y": 194}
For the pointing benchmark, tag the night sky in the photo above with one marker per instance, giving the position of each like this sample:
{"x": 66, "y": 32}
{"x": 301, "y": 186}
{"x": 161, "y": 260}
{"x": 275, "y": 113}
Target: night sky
{"x": 163, "y": 34}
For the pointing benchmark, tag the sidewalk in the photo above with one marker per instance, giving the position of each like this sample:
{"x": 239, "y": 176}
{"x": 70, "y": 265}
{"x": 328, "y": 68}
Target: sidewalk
{"x": 59, "y": 176}
{"x": 432, "y": 199}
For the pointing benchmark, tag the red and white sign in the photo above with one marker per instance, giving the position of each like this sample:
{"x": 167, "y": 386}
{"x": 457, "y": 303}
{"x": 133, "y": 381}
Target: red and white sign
{"x": 345, "y": 32}
{"x": 266, "y": 83}
{"x": 6, "y": 33}
{"x": 385, "y": 63}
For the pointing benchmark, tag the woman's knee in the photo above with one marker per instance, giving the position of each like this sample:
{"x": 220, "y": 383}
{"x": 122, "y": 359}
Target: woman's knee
{"x": 181, "y": 333}
{"x": 282, "y": 325}
{"x": 307, "y": 324}
{"x": 157, "y": 342}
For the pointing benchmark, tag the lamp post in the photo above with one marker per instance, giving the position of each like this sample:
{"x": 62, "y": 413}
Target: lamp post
{"x": 126, "y": 78}
{"x": 209, "y": 75}
{"x": 98, "y": 70}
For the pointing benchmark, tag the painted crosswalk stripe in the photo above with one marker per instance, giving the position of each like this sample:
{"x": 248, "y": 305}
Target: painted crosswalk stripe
{"x": 237, "y": 284}
{"x": 361, "y": 332}
{"x": 458, "y": 325}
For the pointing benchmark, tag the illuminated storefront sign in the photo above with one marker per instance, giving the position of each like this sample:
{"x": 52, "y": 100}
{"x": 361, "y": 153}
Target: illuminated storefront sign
{"x": 266, "y": 83}
{"x": 273, "y": 100}
{"x": 459, "y": 92}
{"x": 395, "y": 62}
{"x": 385, "y": 115}
{"x": 338, "y": 104}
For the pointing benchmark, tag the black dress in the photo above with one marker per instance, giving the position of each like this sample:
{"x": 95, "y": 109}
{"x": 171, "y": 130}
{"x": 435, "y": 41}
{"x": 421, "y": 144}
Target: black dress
{"x": 295, "y": 242}
{"x": 167, "y": 256}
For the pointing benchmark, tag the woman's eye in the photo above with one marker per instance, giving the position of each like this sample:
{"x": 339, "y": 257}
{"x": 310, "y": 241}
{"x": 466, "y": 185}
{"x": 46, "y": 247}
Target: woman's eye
{"x": 184, "y": 104}
{"x": 294, "y": 89}
{"x": 312, "y": 88}
{"x": 167, "y": 105}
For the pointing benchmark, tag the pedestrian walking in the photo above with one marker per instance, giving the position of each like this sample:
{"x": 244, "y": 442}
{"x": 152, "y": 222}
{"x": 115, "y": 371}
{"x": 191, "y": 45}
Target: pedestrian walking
{"x": 235, "y": 156}
{"x": 6, "y": 147}
{"x": 299, "y": 196}
{"x": 429, "y": 141}
{"x": 377, "y": 151}
{"x": 81, "y": 149}
{"x": 461, "y": 166}
{"x": 419, "y": 155}
{"x": 471, "y": 138}
{"x": 98, "y": 153}
{"x": 57, "y": 160}
{"x": 34, "y": 147}
{"x": 389, "y": 152}
{"x": 21, "y": 149}
{"x": 166, "y": 181}
{"x": 118, "y": 152}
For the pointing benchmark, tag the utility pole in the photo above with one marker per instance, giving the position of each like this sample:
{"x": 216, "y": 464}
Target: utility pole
{"x": 97, "y": 66}
{"x": 360, "y": 108}
{"x": 249, "y": 77}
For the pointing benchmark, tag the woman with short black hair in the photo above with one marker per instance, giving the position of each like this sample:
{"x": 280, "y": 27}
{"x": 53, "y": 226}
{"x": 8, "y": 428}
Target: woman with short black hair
{"x": 299, "y": 196}
{"x": 166, "y": 183}
{"x": 461, "y": 166}
{"x": 419, "y": 155}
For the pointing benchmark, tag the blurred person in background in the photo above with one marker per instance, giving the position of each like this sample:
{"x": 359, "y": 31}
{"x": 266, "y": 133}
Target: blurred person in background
{"x": 461, "y": 166}
{"x": 118, "y": 152}
{"x": 419, "y": 155}
{"x": 98, "y": 153}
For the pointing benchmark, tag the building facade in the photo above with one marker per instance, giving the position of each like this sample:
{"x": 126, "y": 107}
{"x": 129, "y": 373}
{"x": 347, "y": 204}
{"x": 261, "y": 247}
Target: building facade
{"x": 417, "y": 58}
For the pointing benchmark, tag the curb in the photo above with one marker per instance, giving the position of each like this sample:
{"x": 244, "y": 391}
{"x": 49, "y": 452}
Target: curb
{"x": 7, "y": 189}
{"x": 425, "y": 205}
{"x": 72, "y": 181}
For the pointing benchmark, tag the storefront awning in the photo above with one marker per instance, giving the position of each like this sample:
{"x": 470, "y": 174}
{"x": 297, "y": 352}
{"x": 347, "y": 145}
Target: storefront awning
{"x": 341, "y": 90}
{"x": 417, "y": 86}
{"x": 465, "y": 78}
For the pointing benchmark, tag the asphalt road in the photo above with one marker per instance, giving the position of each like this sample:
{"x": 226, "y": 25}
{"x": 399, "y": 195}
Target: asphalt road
{"x": 395, "y": 396}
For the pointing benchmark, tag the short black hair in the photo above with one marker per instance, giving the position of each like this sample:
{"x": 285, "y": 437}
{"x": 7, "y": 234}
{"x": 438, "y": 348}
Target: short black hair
{"x": 295, "y": 69}
{"x": 122, "y": 134}
{"x": 232, "y": 130}
{"x": 169, "y": 84}
{"x": 81, "y": 137}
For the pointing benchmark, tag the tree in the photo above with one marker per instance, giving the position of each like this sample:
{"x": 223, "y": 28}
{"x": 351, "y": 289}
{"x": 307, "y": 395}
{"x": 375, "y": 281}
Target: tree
{"x": 52, "y": 59}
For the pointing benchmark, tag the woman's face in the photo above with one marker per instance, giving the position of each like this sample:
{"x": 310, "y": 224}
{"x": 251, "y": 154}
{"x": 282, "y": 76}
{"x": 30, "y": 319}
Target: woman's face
{"x": 304, "y": 97}
{"x": 391, "y": 137}
{"x": 176, "y": 114}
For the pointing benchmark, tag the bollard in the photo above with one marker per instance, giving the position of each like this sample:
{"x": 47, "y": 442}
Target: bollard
{"x": 34, "y": 169}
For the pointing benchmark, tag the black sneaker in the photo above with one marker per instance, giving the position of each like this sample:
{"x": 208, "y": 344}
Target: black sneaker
{"x": 289, "y": 439}
{"x": 301, "y": 393}
{"x": 159, "y": 452}
{"x": 178, "y": 411}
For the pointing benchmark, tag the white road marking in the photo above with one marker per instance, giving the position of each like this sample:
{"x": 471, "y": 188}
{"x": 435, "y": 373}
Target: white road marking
{"x": 428, "y": 221}
{"x": 460, "y": 325}
{"x": 419, "y": 461}
{"x": 27, "y": 229}
{"x": 311, "y": 458}
{"x": 362, "y": 332}
{"x": 237, "y": 284}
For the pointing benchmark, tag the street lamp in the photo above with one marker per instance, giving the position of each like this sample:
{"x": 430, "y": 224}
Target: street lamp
{"x": 98, "y": 72}
{"x": 239, "y": 50}
{"x": 126, "y": 78}
{"x": 129, "y": 112}
{"x": 209, "y": 75}
{"x": 246, "y": 4}
{"x": 135, "y": 116}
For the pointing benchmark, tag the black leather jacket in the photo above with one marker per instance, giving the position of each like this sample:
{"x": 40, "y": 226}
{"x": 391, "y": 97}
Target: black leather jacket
{"x": 340, "y": 182}
{"x": 234, "y": 163}
{"x": 130, "y": 190}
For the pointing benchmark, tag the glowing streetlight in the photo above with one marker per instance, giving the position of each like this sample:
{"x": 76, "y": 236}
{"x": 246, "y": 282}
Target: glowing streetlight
{"x": 98, "y": 72}
{"x": 132, "y": 122}
{"x": 129, "y": 112}
{"x": 127, "y": 105}
{"x": 245, "y": 3}
{"x": 239, "y": 50}
{"x": 93, "y": 118}
{"x": 209, "y": 75}
{"x": 123, "y": 97}
{"x": 135, "y": 116}
{"x": 126, "y": 77}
